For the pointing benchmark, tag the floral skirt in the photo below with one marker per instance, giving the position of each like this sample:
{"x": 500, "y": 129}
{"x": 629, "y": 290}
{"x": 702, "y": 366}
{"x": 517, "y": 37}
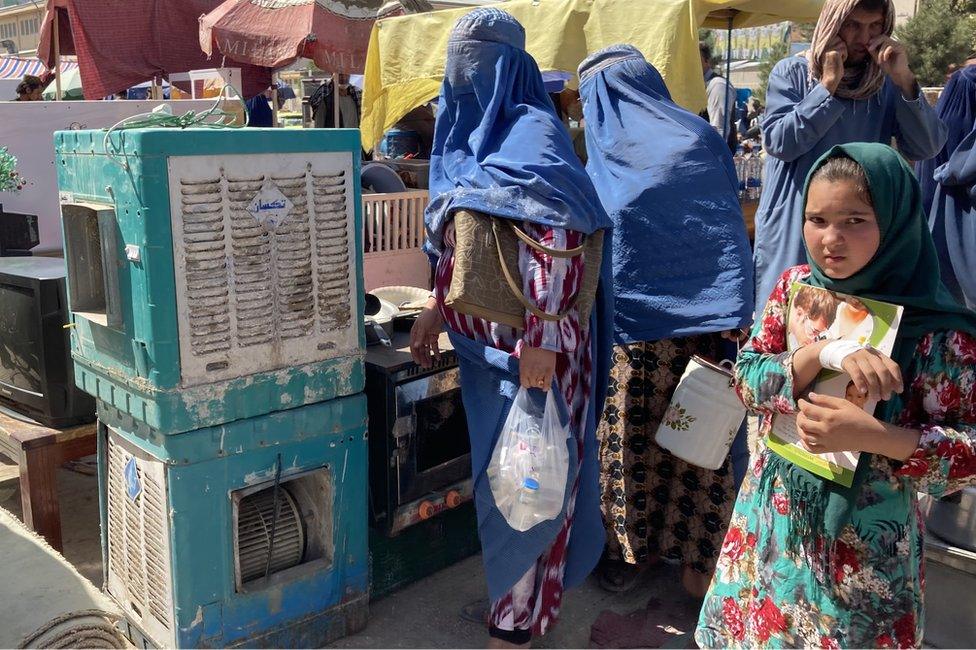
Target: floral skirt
{"x": 656, "y": 505}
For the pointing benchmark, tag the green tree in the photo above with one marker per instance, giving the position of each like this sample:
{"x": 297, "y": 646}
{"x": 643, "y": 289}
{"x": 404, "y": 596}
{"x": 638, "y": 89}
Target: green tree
{"x": 802, "y": 32}
{"x": 967, "y": 9}
{"x": 938, "y": 35}
{"x": 706, "y": 36}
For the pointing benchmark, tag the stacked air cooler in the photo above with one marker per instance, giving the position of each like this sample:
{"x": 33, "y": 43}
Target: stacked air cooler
{"x": 215, "y": 282}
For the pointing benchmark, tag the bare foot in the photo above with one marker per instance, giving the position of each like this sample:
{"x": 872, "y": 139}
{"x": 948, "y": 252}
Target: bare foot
{"x": 498, "y": 643}
{"x": 695, "y": 583}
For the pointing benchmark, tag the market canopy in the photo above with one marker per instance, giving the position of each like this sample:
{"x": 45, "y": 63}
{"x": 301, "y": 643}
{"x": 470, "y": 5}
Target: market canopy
{"x": 15, "y": 67}
{"x": 756, "y": 13}
{"x": 121, "y": 44}
{"x": 274, "y": 33}
{"x": 405, "y": 62}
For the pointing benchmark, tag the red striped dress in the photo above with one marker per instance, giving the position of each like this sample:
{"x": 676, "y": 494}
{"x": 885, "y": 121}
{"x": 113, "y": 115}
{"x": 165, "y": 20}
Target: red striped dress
{"x": 551, "y": 283}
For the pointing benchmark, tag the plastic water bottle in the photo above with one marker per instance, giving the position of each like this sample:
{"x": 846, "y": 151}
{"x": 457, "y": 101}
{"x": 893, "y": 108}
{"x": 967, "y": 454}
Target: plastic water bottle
{"x": 740, "y": 174}
{"x": 518, "y": 464}
{"x": 524, "y": 513}
{"x": 753, "y": 182}
{"x": 529, "y": 470}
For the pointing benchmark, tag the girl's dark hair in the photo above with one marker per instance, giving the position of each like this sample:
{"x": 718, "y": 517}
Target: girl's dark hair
{"x": 842, "y": 168}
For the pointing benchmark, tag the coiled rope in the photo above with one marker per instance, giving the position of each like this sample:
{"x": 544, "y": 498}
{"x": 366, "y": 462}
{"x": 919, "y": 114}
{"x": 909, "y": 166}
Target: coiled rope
{"x": 87, "y": 628}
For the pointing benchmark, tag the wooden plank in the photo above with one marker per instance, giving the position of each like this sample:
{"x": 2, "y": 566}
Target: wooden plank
{"x": 39, "y": 492}
{"x": 417, "y": 222}
{"x": 39, "y": 451}
{"x": 369, "y": 209}
{"x": 25, "y": 433}
{"x": 31, "y": 434}
{"x": 395, "y": 222}
{"x": 76, "y": 448}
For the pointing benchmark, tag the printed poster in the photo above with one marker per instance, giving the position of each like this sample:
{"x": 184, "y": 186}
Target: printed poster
{"x": 816, "y": 314}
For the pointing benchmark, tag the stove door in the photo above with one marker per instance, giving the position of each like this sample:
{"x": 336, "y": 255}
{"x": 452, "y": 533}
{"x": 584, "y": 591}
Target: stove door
{"x": 431, "y": 432}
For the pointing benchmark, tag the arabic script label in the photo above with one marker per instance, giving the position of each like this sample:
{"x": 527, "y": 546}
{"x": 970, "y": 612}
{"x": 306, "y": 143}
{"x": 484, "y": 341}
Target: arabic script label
{"x": 269, "y": 207}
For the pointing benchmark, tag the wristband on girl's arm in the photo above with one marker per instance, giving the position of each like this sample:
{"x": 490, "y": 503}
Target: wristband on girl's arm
{"x": 833, "y": 354}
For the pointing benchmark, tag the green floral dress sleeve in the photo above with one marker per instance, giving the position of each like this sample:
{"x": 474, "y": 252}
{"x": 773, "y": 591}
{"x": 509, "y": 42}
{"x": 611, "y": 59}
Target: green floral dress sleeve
{"x": 764, "y": 369}
{"x": 941, "y": 402}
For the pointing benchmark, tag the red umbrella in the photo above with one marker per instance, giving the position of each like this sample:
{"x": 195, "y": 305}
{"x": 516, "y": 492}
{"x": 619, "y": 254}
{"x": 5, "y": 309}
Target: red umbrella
{"x": 274, "y": 33}
{"x": 121, "y": 44}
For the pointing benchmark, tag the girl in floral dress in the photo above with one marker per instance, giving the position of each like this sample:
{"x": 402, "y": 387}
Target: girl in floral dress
{"x": 807, "y": 562}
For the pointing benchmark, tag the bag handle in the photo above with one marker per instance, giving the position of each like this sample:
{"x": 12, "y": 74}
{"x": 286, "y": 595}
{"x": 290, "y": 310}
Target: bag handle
{"x": 517, "y": 291}
{"x": 554, "y": 252}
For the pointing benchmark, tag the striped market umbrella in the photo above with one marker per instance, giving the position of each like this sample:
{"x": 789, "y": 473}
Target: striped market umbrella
{"x": 70, "y": 85}
{"x": 15, "y": 67}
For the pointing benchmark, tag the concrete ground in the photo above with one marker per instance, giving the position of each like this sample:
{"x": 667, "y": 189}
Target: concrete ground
{"x": 79, "y": 515}
{"x": 422, "y": 615}
{"x": 425, "y": 614}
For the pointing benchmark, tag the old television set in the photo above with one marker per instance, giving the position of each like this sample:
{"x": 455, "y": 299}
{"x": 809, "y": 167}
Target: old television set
{"x": 18, "y": 233}
{"x": 36, "y": 376}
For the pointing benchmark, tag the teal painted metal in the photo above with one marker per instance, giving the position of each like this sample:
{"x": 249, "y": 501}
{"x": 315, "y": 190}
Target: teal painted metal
{"x": 135, "y": 368}
{"x": 305, "y": 606}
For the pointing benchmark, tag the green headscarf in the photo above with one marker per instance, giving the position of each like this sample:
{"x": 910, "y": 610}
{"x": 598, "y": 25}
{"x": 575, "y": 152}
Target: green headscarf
{"x": 903, "y": 271}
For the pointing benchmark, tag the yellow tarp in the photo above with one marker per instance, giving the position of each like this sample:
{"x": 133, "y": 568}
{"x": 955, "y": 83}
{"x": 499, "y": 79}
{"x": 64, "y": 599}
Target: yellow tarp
{"x": 405, "y": 62}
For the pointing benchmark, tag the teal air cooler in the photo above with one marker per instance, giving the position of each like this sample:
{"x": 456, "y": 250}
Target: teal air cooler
{"x": 213, "y": 274}
{"x": 215, "y": 285}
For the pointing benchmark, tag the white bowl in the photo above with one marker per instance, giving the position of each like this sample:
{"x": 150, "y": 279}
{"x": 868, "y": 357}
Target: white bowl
{"x": 407, "y": 298}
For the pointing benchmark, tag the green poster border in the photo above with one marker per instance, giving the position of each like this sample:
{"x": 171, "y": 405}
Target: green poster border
{"x": 882, "y": 315}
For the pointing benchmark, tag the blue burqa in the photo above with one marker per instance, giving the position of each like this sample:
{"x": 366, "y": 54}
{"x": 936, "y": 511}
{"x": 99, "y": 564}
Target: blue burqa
{"x": 499, "y": 149}
{"x": 681, "y": 259}
{"x": 948, "y": 184}
{"x": 802, "y": 122}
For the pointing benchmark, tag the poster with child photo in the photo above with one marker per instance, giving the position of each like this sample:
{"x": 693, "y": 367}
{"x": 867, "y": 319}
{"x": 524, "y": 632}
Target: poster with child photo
{"x": 816, "y": 314}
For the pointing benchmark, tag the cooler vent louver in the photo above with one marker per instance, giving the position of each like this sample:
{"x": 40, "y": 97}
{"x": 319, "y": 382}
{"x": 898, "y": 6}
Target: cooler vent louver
{"x": 264, "y": 263}
{"x": 206, "y": 266}
{"x": 254, "y": 531}
{"x": 329, "y": 193}
{"x": 138, "y": 540}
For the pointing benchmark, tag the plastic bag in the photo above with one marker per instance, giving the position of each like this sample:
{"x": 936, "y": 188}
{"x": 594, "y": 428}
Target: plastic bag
{"x": 530, "y": 463}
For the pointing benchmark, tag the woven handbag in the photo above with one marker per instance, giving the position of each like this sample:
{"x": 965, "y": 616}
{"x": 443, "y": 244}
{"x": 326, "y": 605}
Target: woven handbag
{"x": 486, "y": 251}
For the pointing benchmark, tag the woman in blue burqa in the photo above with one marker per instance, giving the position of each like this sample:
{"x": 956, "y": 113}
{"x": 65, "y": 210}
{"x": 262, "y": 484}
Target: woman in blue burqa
{"x": 948, "y": 184}
{"x": 682, "y": 275}
{"x": 500, "y": 150}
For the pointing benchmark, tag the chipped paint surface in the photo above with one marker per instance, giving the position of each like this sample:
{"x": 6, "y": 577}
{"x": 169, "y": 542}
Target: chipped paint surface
{"x": 197, "y": 620}
{"x": 263, "y": 476}
{"x": 173, "y": 411}
{"x": 270, "y": 309}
